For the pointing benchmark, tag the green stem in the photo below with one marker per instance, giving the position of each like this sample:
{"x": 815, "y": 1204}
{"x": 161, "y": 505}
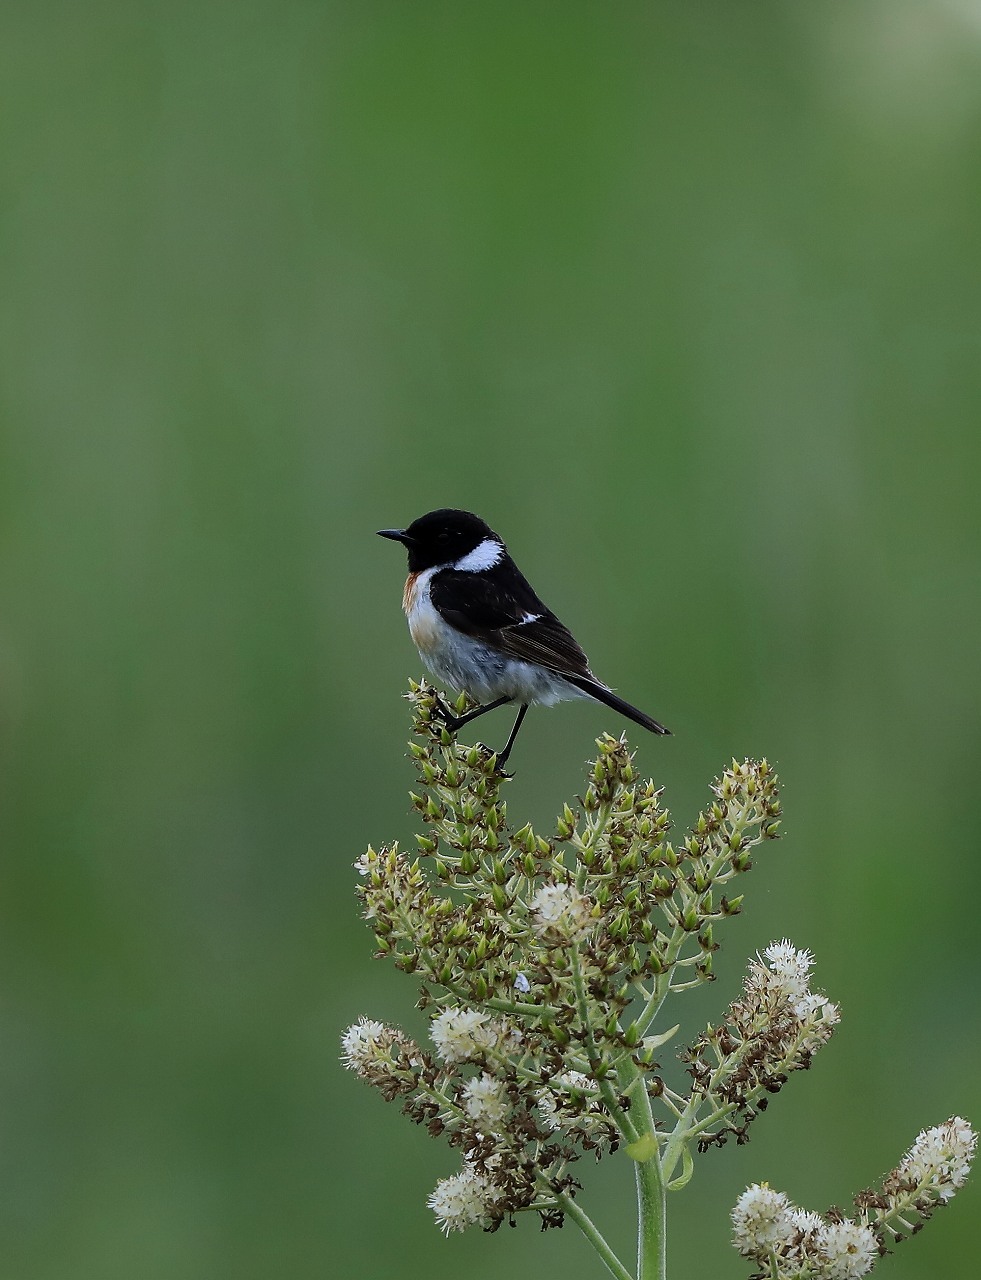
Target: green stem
{"x": 517, "y": 1008}
{"x": 651, "y": 1187}
{"x": 593, "y": 1235}
{"x": 651, "y": 1221}
{"x": 662, "y": 985}
{"x": 680, "y": 1136}
{"x": 595, "y": 827}
{"x": 596, "y": 1064}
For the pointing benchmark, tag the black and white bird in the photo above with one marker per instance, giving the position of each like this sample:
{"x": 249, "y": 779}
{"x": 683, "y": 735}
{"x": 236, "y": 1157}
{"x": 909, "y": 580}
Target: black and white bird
{"x": 480, "y": 627}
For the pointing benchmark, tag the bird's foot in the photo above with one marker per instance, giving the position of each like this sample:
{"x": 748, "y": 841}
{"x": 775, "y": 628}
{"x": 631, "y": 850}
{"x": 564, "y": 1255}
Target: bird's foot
{"x": 489, "y": 752}
{"x": 499, "y": 769}
{"x": 442, "y": 712}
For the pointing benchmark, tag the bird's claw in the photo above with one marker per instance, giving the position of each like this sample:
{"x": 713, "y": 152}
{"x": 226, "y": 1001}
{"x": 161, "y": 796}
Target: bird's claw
{"x": 442, "y": 712}
{"x": 499, "y": 770}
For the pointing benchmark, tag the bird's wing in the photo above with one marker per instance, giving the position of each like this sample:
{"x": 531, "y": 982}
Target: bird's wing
{"x": 508, "y": 617}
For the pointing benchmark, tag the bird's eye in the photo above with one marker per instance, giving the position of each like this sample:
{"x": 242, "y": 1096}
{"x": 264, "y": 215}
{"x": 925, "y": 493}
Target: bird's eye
{"x": 443, "y": 535}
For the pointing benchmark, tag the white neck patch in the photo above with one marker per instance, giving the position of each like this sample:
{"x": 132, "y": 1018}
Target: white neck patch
{"x": 485, "y": 555}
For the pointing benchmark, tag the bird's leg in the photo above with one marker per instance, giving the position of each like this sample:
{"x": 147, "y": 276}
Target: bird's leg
{"x": 503, "y": 755}
{"x": 456, "y": 723}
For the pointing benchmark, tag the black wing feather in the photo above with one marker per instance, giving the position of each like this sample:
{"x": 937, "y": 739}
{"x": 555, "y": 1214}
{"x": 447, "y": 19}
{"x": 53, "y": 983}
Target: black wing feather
{"x": 494, "y": 609}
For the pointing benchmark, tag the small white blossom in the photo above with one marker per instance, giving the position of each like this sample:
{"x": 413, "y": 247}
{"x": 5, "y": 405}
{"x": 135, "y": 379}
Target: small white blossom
{"x": 818, "y": 1017}
{"x": 462, "y": 1200}
{"x": 815, "y": 1005}
{"x": 761, "y": 1220}
{"x": 560, "y": 911}
{"x": 486, "y": 1101}
{"x": 461, "y": 1035}
{"x": 364, "y": 1042}
{"x": 788, "y": 969}
{"x": 806, "y": 1222}
{"x": 560, "y": 1110}
{"x": 383, "y": 1056}
{"x": 368, "y": 862}
{"x": 846, "y": 1250}
{"x": 940, "y": 1158}
{"x": 521, "y": 983}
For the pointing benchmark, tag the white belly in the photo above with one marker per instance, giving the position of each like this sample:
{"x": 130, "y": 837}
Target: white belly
{"x": 470, "y": 665}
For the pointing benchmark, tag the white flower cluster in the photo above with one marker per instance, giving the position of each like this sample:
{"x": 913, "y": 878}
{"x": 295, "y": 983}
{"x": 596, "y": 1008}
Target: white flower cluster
{"x": 460, "y": 1034}
{"x": 378, "y": 1053}
{"x": 485, "y": 1100}
{"x": 366, "y": 1043}
{"x": 761, "y": 1220}
{"x": 773, "y": 1232}
{"x": 567, "y": 1105}
{"x": 560, "y": 913}
{"x": 844, "y": 1250}
{"x": 788, "y": 969}
{"x": 780, "y": 979}
{"x": 765, "y": 1226}
{"x": 462, "y": 1200}
{"x": 940, "y": 1158}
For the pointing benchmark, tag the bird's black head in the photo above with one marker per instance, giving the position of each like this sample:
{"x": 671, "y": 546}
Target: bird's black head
{"x": 441, "y": 537}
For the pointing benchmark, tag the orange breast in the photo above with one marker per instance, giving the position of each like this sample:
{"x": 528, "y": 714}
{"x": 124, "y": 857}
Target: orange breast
{"x": 409, "y": 592}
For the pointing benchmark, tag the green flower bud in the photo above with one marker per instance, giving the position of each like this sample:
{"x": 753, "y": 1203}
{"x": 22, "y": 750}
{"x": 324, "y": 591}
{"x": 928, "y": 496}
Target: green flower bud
{"x": 690, "y": 920}
{"x": 525, "y": 838}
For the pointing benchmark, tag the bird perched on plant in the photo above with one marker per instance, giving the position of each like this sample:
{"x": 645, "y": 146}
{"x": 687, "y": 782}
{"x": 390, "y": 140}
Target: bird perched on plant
{"x": 480, "y": 627}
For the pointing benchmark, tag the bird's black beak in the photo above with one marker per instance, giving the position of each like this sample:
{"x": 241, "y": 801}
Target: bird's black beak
{"x": 396, "y": 535}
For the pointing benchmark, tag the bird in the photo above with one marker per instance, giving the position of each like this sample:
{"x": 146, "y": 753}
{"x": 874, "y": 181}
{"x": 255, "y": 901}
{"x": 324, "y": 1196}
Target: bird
{"x": 480, "y": 627}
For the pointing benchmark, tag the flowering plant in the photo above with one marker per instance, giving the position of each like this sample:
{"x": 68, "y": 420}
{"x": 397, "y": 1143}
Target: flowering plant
{"x": 545, "y": 964}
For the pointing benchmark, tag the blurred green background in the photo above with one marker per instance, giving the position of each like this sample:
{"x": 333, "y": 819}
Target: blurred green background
{"x": 685, "y": 299}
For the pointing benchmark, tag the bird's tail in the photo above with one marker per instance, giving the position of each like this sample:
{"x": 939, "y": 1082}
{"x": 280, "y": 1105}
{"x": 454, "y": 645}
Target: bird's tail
{"x": 602, "y": 694}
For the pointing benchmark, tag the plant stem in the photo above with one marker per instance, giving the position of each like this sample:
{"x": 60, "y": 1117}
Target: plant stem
{"x": 619, "y": 1117}
{"x": 518, "y": 1008}
{"x": 651, "y": 1215}
{"x": 594, "y": 1236}
{"x": 662, "y": 985}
